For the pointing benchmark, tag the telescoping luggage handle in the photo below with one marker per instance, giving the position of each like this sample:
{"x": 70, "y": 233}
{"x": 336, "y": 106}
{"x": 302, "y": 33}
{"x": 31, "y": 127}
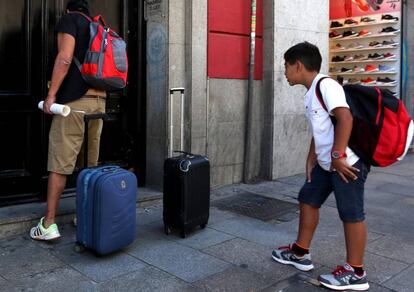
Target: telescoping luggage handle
{"x": 87, "y": 118}
{"x": 172, "y": 90}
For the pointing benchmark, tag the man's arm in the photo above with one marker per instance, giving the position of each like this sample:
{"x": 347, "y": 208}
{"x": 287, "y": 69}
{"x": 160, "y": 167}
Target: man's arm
{"x": 343, "y": 130}
{"x": 66, "y": 48}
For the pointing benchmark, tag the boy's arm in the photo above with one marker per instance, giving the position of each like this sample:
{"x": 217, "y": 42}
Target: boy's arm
{"x": 311, "y": 160}
{"x": 343, "y": 130}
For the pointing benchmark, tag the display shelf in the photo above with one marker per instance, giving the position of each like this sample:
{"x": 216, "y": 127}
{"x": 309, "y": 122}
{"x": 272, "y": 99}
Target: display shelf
{"x": 363, "y": 61}
{"x": 365, "y": 49}
{"x": 371, "y": 36}
{"x": 361, "y": 73}
{"x": 368, "y": 24}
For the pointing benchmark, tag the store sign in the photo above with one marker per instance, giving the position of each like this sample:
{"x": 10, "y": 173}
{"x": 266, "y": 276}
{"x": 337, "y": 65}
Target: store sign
{"x": 351, "y": 8}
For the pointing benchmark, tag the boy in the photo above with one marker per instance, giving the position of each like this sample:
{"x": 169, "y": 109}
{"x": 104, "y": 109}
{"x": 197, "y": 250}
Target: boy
{"x": 330, "y": 166}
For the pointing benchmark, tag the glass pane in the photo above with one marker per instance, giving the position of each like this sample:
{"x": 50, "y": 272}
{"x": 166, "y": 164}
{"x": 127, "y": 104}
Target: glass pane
{"x": 13, "y": 46}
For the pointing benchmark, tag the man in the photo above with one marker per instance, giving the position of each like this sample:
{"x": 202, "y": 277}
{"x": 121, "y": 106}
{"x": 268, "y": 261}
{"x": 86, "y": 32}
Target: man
{"x": 66, "y": 133}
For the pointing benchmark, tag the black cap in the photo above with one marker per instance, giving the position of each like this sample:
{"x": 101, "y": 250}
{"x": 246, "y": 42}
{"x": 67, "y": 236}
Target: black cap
{"x": 78, "y": 5}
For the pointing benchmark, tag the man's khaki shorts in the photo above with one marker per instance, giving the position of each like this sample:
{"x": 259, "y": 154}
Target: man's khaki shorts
{"x": 66, "y": 136}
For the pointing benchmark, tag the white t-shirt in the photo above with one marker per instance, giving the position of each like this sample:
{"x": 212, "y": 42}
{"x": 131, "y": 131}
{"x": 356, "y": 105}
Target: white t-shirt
{"x": 320, "y": 122}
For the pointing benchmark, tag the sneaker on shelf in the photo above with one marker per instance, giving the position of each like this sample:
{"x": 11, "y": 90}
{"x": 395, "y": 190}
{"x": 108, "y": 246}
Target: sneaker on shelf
{"x": 336, "y": 24}
{"x": 367, "y": 19}
{"x": 364, "y": 32}
{"x": 349, "y": 34}
{"x": 388, "y": 69}
{"x": 389, "y": 30}
{"x": 346, "y": 70}
{"x": 358, "y": 69}
{"x": 375, "y": 56}
{"x": 388, "y": 17}
{"x": 348, "y": 58}
{"x": 337, "y": 59}
{"x": 345, "y": 278}
{"x": 390, "y": 43}
{"x": 334, "y": 35}
{"x": 350, "y": 21}
{"x": 354, "y": 81}
{"x": 386, "y": 81}
{"x": 285, "y": 255}
{"x": 375, "y": 44}
{"x": 360, "y": 58}
{"x": 338, "y": 47}
{"x": 371, "y": 68}
{"x": 355, "y": 46}
{"x": 39, "y": 232}
{"x": 368, "y": 81}
{"x": 389, "y": 56}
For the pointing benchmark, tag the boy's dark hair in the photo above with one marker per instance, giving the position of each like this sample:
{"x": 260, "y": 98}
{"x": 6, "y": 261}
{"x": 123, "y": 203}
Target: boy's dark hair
{"x": 307, "y": 54}
{"x": 78, "y": 5}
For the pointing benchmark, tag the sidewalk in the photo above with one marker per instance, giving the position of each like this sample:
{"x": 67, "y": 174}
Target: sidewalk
{"x": 234, "y": 252}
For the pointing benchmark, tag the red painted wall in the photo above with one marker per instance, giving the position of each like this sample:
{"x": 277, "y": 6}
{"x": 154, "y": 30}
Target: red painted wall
{"x": 229, "y": 39}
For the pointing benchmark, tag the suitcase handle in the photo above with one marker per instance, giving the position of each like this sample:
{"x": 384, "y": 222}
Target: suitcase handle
{"x": 172, "y": 90}
{"x": 186, "y": 153}
{"x": 87, "y": 118}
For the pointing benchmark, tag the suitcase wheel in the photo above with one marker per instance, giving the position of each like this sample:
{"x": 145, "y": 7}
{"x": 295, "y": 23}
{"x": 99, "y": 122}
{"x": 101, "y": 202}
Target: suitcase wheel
{"x": 182, "y": 234}
{"x": 79, "y": 248}
{"x": 167, "y": 230}
{"x": 203, "y": 225}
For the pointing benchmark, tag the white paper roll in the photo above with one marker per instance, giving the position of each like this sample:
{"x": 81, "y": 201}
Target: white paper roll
{"x": 57, "y": 109}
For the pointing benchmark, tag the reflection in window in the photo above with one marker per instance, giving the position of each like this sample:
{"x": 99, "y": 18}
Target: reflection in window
{"x": 13, "y": 46}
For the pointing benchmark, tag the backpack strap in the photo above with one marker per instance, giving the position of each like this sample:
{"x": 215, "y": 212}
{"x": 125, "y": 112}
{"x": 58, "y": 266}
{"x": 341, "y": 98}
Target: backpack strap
{"x": 81, "y": 13}
{"x": 319, "y": 93}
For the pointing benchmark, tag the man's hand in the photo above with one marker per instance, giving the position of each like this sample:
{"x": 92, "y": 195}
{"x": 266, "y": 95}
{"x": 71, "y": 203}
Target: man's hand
{"x": 48, "y": 103}
{"x": 310, "y": 164}
{"x": 344, "y": 170}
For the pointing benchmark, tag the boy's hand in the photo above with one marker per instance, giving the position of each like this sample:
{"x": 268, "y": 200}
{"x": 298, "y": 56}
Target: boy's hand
{"x": 344, "y": 170}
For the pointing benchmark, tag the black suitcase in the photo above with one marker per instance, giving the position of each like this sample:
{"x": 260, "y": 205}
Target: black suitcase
{"x": 186, "y": 187}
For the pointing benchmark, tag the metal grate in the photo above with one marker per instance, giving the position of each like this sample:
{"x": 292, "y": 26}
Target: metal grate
{"x": 256, "y": 206}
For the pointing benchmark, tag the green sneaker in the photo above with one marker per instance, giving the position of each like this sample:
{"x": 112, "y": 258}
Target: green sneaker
{"x": 39, "y": 232}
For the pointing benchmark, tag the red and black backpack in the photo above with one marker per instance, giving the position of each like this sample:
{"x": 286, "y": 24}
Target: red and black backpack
{"x": 105, "y": 65}
{"x": 382, "y": 130}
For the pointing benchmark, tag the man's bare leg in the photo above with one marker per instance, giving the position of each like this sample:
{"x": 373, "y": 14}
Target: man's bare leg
{"x": 55, "y": 187}
{"x": 356, "y": 239}
{"x": 309, "y": 219}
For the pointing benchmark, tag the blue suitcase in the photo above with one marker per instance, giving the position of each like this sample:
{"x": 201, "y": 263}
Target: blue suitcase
{"x": 106, "y": 208}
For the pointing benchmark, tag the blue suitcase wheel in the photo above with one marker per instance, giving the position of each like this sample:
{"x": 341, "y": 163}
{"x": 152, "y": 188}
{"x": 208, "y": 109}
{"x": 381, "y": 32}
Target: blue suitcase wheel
{"x": 203, "y": 225}
{"x": 79, "y": 248}
{"x": 182, "y": 234}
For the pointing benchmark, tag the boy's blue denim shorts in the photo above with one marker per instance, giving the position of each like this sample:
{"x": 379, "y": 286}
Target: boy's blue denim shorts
{"x": 349, "y": 196}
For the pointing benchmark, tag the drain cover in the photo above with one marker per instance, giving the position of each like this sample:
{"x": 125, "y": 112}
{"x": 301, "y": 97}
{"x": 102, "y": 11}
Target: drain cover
{"x": 256, "y": 206}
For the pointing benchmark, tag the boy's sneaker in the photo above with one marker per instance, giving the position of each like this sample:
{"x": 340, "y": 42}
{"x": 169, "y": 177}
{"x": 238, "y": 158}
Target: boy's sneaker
{"x": 285, "y": 255}
{"x": 39, "y": 232}
{"x": 344, "y": 278}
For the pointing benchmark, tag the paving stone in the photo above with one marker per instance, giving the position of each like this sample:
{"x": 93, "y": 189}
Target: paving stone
{"x": 403, "y": 282}
{"x": 234, "y": 279}
{"x": 217, "y": 215}
{"x": 256, "y": 231}
{"x": 20, "y": 257}
{"x": 293, "y": 180}
{"x": 202, "y": 238}
{"x": 149, "y": 215}
{"x": 60, "y": 279}
{"x": 184, "y": 262}
{"x": 99, "y": 269}
{"x": 394, "y": 248}
{"x": 252, "y": 256}
{"x": 381, "y": 269}
{"x": 275, "y": 189}
{"x": 297, "y": 282}
{"x": 146, "y": 280}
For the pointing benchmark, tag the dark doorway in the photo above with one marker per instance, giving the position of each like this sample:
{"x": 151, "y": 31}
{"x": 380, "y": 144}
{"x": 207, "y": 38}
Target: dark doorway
{"x": 27, "y": 52}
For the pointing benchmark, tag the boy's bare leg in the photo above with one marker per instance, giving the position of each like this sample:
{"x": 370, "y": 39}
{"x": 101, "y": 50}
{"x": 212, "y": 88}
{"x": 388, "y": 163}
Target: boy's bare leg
{"x": 309, "y": 219}
{"x": 355, "y": 239}
{"x": 55, "y": 187}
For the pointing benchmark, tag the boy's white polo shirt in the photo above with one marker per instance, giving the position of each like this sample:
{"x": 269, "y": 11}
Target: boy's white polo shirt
{"x": 320, "y": 122}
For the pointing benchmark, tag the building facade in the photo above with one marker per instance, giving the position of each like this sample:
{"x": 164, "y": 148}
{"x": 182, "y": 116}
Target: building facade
{"x": 201, "y": 45}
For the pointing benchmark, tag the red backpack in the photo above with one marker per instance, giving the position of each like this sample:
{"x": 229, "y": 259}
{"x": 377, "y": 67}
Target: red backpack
{"x": 106, "y": 63}
{"x": 382, "y": 130}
